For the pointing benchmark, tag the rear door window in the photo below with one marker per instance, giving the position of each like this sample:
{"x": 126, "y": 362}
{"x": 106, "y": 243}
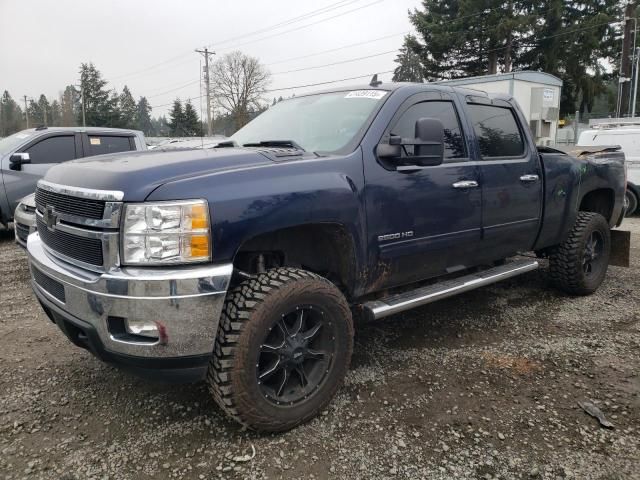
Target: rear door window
{"x": 101, "y": 144}
{"x": 497, "y": 131}
{"x": 53, "y": 150}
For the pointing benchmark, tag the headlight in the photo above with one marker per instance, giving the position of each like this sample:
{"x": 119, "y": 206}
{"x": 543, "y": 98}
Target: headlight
{"x": 166, "y": 233}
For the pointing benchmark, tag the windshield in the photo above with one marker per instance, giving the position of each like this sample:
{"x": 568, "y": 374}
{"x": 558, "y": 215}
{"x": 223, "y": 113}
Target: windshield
{"x": 325, "y": 122}
{"x": 10, "y": 143}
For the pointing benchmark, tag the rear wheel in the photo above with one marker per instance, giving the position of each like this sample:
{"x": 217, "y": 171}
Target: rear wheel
{"x": 631, "y": 202}
{"x": 579, "y": 265}
{"x": 283, "y": 347}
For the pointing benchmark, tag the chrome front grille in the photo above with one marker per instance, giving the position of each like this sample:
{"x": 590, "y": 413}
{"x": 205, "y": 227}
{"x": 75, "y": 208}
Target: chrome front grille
{"x": 81, "y": 207}
{"x": 73, "y": 247}
{"x": 79, "y": 225}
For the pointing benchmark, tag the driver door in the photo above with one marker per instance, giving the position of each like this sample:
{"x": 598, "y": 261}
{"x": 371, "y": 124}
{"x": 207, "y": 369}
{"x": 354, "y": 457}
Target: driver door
{"x": 425, "y": 222}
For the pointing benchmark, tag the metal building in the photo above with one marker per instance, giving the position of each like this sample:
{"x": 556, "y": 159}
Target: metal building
{"x": 537, "y": 93}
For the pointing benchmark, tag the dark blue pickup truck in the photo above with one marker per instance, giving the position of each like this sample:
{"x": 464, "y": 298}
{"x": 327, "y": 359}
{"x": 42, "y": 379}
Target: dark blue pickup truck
{"x": 245, "y": 264}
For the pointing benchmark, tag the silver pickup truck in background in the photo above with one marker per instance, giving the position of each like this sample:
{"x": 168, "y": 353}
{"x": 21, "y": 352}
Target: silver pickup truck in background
{"x": 27, "y": 155}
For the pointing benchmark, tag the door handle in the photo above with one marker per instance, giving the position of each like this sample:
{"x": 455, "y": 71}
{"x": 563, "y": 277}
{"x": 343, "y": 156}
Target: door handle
{"x": 529, "y": 178}
{"x": 465, "y": 184}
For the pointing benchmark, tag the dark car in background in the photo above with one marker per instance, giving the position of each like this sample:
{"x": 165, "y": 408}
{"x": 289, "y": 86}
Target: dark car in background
{"x": 27, "y": 155}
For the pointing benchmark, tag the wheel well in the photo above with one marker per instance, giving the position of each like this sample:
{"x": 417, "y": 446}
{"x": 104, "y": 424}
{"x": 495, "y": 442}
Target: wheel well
{"x": 599, "y": 201}
{"x": 326, "y": 249}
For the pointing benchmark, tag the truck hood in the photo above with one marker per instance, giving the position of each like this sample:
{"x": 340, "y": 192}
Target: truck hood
{"x": 137, "y": 174}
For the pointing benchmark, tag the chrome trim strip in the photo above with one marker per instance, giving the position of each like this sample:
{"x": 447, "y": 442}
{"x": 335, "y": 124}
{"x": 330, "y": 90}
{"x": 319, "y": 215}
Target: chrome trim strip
{"x": 111, "y": 217}
{"x": 431, "y": 293}
{"x": 93, "y": 194}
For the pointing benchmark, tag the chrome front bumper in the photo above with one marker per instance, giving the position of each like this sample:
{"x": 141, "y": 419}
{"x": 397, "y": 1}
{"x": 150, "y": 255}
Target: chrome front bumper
{"x": 26, "y": 221}
{"x": 184, "y": 302}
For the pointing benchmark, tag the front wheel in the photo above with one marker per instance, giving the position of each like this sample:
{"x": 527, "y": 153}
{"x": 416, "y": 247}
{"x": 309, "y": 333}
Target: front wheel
{"x": 283, "y": 348}
{"x": 579, "y": 265}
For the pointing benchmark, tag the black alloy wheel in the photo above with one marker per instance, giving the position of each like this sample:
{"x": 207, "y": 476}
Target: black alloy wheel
{"x": 296, "y": 355}
{"x": 592, "y": 258}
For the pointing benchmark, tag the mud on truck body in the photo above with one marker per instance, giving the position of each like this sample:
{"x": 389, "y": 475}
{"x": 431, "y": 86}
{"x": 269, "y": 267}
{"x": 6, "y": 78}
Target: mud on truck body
{"x": 245, "y": 264}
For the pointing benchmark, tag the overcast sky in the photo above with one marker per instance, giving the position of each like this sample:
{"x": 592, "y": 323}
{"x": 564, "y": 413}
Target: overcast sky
{"x": 148, "y": 45}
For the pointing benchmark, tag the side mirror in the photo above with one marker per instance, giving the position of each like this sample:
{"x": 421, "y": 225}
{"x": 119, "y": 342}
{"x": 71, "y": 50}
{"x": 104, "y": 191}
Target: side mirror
{"x": 389, "y": 150}
{"x": 18, "y": 159}
{"x": 429, "y": 146}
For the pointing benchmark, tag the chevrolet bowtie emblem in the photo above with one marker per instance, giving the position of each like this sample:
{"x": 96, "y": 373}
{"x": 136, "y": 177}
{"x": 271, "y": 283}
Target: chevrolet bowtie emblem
{"x": 50, "y": 217}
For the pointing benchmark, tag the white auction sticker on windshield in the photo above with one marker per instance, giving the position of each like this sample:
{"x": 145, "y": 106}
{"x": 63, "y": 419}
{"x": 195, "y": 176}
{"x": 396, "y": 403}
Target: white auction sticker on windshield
{"x": 374, "y": 94}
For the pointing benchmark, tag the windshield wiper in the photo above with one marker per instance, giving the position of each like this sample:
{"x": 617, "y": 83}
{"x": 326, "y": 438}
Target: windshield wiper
{"x": 276, "y": 143}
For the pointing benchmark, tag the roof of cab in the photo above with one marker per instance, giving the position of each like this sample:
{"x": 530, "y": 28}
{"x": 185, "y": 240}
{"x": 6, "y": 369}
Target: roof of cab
{"x": 417, "y": 87}
{"x": 83, "y": 129}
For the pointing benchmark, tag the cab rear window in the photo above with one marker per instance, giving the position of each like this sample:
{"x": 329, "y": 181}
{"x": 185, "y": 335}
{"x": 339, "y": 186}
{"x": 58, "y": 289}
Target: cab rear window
{"x": 101, "y": 144}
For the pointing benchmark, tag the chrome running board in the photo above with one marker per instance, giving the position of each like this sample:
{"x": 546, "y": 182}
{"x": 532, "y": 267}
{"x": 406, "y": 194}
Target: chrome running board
{"x": 400, "y": 302}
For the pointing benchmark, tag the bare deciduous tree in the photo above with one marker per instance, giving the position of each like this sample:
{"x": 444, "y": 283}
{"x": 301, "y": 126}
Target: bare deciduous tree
{"x": 239, "y": 82}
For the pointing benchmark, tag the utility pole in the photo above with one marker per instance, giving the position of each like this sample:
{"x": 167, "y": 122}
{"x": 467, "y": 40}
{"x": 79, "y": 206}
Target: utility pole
{"x": 26, "y": 110}
{"x": 625, "y": 61}
{"x": 635, "y": 83}
{"x": 84, "y": 123}
{"x": 206, "y": 54}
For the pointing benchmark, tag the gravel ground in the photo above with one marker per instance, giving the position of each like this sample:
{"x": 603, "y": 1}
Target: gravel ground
{"x": 484, "y": 385}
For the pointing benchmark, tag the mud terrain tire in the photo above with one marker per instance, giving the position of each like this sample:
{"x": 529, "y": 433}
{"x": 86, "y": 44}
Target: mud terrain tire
{"x": 279, "y": 309}
{"x": 579, "y": 265}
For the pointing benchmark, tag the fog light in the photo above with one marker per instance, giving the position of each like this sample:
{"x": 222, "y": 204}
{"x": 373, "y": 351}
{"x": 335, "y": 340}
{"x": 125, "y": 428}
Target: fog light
{"x": 143, "y": 328}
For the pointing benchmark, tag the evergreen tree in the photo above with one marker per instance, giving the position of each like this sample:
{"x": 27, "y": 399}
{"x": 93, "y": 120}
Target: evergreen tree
{"x": 566, "y": 38}
{"x": 176, "y": 119}
{"x": 70, "y": 108}
{"x": 55, "y": 115}
{"x": 143, "y": 117}
{"x": 128, "y": 109}
{"x": 192, "y": 126}
{"x": 113, "y": 118}
{"x": 98, "y": 102}
{"x": 36, "y": 118}
{"x": 11, "y": 116}
{"x": 40, "y": 112}
{"x": 160, "y": 126}
{"x": 409, "y": 68}
{"x": 572, "y": 39}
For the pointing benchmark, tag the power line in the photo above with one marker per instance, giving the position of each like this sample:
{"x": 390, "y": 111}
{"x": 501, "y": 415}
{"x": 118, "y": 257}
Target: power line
{"x": 338, "y": 63}
{"x": 304, "y": 56}
{"x": 173, "y": 89}
{"x": 294, "y": 87}
{"x": 574, "y": 30}
{"x": 304, "y": 26}
{"x": 558, "y": 34}
{"x": 339, "y": 48}
{"x": 305, "y": 16}
{"x": 297, "y": 19}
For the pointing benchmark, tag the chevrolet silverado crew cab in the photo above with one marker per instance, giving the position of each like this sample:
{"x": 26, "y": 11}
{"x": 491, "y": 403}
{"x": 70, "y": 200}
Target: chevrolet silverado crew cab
{"x": 244, "y": 264}
{"x": 27, "y": 155}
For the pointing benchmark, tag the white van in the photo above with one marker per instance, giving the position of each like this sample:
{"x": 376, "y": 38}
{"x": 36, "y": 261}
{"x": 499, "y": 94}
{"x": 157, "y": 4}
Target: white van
{"x": 628, "y": 137}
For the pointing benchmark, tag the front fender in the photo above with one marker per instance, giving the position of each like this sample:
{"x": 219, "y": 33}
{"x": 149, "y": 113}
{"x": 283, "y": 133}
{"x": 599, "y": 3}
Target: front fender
{"x": 248, "y": 202}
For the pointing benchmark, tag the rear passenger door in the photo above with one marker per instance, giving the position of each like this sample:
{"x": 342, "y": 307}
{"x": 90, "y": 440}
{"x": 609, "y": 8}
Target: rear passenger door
{"x": 44, "y": 152}
{"x": 510, "y": 177}
{"x": 100, "y": 144}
